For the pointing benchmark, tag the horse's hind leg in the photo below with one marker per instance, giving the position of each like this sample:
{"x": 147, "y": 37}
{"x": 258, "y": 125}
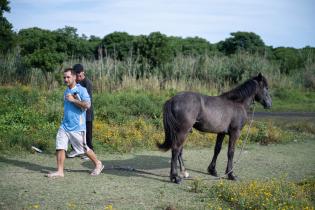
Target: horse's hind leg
{"x": 217, "y": 149}
{"x": 182, "y": 168}
{"x": 229, "y": 169}
{"x": 176, "y": 150}
{"x": 174, "y": 176}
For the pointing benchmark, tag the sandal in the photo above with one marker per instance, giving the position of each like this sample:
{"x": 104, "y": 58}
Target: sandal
{"x": 97, "y": 171}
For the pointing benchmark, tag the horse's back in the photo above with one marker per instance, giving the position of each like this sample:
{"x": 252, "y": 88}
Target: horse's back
{"x": 185, "y": 106}
{"x": 186, "y": 101}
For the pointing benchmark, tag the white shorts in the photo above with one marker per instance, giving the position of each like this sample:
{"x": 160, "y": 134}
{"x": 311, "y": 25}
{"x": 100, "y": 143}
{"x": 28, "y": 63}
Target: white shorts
{"x": 76, "y": 138}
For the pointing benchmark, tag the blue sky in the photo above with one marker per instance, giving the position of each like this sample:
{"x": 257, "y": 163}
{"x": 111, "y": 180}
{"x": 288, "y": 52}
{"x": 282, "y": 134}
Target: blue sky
{"x": 288, "y": 23}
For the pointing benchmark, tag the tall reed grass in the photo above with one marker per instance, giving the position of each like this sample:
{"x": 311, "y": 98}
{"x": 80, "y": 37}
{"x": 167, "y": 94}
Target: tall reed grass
{"x": 214, "y": 74}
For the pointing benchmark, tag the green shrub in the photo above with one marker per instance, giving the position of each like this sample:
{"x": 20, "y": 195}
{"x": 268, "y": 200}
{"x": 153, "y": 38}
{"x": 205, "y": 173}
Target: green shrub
{"x": 120, "y": 107}
{"x": 124, "y": 120}
{"x": 260, "y": 194}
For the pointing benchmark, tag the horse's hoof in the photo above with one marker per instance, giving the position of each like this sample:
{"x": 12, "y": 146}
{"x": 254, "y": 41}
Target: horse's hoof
{"x": 212, "y": 172}
{"x": 176, "y": 179}
{"x": 231, "y": 177}
{"x": 184, "y": 174}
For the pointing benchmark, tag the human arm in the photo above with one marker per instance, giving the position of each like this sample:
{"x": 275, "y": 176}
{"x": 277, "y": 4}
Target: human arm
{"x": 74, "y": 99}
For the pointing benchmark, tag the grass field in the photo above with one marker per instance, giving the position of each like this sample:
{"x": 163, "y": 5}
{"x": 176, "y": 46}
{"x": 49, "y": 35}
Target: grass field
{"x": 23, "y": 185}
{"x": 127, "y": 125}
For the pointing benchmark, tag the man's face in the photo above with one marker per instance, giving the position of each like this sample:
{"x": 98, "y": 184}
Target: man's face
{"x": 80, "y": 76}
{"x": 69, "y": 79}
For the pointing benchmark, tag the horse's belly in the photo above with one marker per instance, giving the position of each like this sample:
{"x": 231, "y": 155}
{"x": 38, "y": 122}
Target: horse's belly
{"x": 211, "y": 127}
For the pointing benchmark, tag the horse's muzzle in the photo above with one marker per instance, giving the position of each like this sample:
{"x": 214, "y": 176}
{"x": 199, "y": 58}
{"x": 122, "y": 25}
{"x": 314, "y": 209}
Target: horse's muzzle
{"x": 267, "y": 105}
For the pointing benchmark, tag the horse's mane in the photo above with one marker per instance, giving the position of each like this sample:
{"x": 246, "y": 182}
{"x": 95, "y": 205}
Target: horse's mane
{"x": 241, "y": 92}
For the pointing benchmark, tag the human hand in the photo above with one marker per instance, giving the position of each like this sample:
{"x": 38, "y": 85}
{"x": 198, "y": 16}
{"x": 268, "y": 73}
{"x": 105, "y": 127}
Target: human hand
{"x": 70, "y": 97}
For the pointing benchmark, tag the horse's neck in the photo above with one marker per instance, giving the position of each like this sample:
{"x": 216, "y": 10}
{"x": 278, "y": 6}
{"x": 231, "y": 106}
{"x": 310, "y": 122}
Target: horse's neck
{"x": 248, "y": 102}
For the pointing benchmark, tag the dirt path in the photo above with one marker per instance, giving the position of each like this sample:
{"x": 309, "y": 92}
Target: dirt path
{"x": 23, "y": 185}
{"x": 286, "y": 114}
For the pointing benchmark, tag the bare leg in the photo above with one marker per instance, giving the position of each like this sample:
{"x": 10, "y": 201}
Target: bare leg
{"x": 217, "y": 149}
{"x": 93, "y": 158}
{"x": 97, "y": 163}
{"x": 60, "y": 157}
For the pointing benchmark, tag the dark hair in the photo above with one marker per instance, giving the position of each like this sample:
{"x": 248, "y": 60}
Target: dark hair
{"x": 78, "y": 68}
{"x": 71, "y": 70}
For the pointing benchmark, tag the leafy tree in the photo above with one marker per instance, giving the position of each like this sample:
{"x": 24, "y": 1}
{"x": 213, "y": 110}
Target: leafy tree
{"x": 73, "y": 45}
{"x": 118, "y": 45}
{"x": 32, "y": 39}
{"x": 196, "y": 46}
{"x": 94, "y": 45}
{"x": 39, "y": 49}
{"x": 158, "y": 50}
{"x": 289, "y": 58}
{"x": 308, "y": 54}
{"x": 44, "y": 59}
{"x": 7, "y": 36}
{"x": 190, "y": 46}
{"x": 242, "y": 41}
{"x": 46, "y": 50}
{"x": 67, "y": 40}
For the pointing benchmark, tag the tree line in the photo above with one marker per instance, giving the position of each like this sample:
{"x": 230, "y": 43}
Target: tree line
{"x": 48, "y": 49}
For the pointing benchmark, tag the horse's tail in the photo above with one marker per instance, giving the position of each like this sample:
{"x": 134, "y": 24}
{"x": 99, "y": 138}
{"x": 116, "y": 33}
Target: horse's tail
{"x": 170, "y": 127}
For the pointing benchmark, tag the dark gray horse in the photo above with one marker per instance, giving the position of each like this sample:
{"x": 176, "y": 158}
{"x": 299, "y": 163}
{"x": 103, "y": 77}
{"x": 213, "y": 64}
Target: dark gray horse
{"x": 224, "y": 114}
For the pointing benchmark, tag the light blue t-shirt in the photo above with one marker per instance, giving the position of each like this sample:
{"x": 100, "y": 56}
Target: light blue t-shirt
{"x": 74, "y": 116}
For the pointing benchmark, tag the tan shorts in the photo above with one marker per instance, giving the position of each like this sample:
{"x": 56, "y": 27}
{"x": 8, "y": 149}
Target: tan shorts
{"x": 76, "y": 138}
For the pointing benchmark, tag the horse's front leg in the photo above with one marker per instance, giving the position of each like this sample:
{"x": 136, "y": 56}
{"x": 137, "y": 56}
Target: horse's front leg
{"x": 217, "y": 149}
{"x": 234, "y": 135}
{"x": 182, "y": 168}
{"x": 173, "y": 175}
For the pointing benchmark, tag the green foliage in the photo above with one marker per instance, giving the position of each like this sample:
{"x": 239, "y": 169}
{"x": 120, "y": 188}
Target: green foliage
{"x": 166, "y": 58}
{"x": 292, "y": 99}
{"x": 289, "y": 58}
{"x": 153, "y": 51}
{"x": 196, "y": 46}
{"x": 7, "y": 35}
{"x": 124, "y": 120}
{"x": 158, "y": 51}
{"x": 44, "y": 59}
{"x": 260, "y": 194}
{"x": 12, "y": 69}
{"x": 197, "y": 185}
{"x": 299, "y": 126}
{"x": 242, "y": 41}
{"x": 120, "y": 107}
{"x": 47, "y": 50}
{"x": 24, "y": 121}
{"x": 269, "y": 132}
{"x": 117, "y": 45}
{"x": 4, "y": 7}
{"x": 70, "y": 43}
{"x": 39, "y": 50}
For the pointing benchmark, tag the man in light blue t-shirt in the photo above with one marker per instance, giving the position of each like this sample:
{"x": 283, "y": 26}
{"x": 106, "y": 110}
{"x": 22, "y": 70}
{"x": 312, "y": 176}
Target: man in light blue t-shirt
{"x": 73, "y": 127}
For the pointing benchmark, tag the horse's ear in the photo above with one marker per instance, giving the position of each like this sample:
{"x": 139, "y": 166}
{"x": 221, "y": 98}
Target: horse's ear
{"x": 260, "y": 77}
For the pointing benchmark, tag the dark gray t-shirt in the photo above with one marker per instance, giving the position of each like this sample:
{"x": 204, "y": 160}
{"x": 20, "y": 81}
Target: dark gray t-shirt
{"x": 88, "y": 85}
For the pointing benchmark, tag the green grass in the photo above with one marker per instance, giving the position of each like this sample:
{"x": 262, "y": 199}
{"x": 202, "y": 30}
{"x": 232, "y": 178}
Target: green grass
{"x": 124, "y": 120}
{"x": 293, "y": 100}
{"x": 23, "y": 185}
{"x": 126, "y": 127}
{"x": 263, "y": 194}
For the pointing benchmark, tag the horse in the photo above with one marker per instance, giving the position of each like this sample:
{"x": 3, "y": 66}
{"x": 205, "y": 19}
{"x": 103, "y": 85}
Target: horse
{"x": 225, "y": 114}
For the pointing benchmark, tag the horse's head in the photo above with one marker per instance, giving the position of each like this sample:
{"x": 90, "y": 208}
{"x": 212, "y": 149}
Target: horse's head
{"x": 262, "y": 94}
